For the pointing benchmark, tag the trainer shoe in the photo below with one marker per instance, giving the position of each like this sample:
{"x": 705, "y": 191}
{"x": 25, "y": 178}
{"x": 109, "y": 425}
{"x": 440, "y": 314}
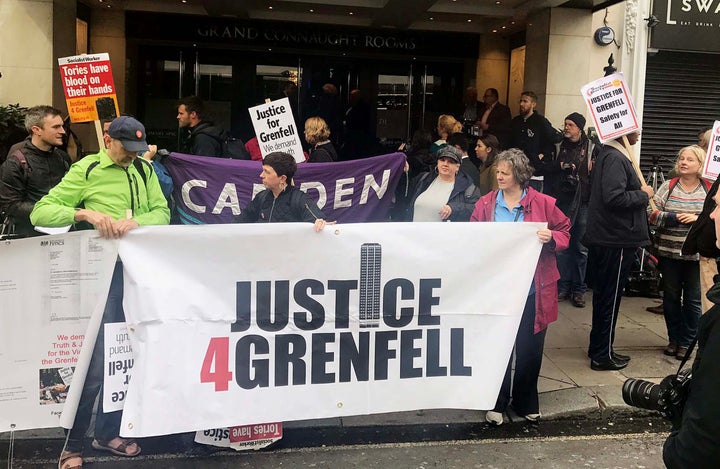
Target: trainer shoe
{"x": 494, "y": 418}
{"x": 578, "y": 300}
{"x": 607, "y": 365}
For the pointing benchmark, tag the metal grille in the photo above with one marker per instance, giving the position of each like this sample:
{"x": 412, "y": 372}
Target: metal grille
{"x": 681, "y": 97}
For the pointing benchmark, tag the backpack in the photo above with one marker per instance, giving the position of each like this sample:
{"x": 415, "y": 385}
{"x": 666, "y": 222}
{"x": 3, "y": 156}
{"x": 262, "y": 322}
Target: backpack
{"x": 138, "y": 162}
{"x": 674, "y": 181}
{"x": 233, "y": 147}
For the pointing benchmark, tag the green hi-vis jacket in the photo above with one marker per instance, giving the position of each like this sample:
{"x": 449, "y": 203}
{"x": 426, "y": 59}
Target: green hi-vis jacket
{"x": 96, "y": 183}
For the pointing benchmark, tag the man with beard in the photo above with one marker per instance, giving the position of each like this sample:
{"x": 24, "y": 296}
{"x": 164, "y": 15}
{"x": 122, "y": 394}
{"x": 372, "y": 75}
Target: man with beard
{"x": 532, "y": 133}
{"x": 198, "y": 136}
{"x": 33, "y": 167}
{"x": 568, "y": 180}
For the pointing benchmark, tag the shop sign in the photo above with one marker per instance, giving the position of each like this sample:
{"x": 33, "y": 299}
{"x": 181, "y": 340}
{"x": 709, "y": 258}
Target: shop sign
{"x": 689, "y": 25}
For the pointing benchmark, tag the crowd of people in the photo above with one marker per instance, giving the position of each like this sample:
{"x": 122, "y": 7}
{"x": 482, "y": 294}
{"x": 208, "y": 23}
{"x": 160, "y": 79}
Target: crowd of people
{"x": 481, "y": 166}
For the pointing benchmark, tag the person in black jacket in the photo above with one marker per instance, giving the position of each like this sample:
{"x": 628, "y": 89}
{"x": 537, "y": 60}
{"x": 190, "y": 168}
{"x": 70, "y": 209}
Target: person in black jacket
{"x": 281, "y": 201}
{"x": 33, "y": 167}
{"x": 448, "y": 194}
{"x": 532, "y": 133}
{"x": 695, "y": 438}
{"x": 617, "y": 225}
{"x": 198, "y": 136}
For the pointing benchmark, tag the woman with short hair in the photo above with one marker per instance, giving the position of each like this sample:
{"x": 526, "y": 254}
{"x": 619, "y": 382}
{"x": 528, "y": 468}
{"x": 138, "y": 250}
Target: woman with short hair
{"x": 516, "y": 201}
{"x": 317, "y": 134}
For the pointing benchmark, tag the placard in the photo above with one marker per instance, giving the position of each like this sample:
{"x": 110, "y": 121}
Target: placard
{"x": 118, "y": 366}
{"x": 711, "y": 168}
{"x": 89, "y": 87}
{"x": 611, "y": 107}
{"x": 275, "y": 129}
{"x": 242, "y": 437}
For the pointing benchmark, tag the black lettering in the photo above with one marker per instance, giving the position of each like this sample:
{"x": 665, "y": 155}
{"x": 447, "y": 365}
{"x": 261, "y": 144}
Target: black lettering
{"x": 408, "y": 352}
{"x": 356, "y": 357}
{"x": 426, "y": 301}
{"x": 265, "y": 319}
{"x": 320, "y": 358}
{"x": 457, "y": 353}
{"x": 242, "y": 307}
{"x": 432, "y": 348}
{"x": 289, "y": 349}
{"x": 342, "y": 300}
{"x": 390, "y": 302}
{"x": 316, "y": 310}
{"x": 383, "y": 353}
{"x": 244, "y": 365}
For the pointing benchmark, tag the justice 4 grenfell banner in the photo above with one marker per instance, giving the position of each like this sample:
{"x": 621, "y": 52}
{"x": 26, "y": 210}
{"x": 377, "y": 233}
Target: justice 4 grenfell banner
{"x": 50, "y": 286}
{"x": 215, "y": 190}
{"x": 275, "y": 322}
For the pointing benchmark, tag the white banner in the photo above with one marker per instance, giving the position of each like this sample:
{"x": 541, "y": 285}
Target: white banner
{"x": 118, "y": 366}
{"x": 711, "y": 170}
{"x": 270, "y": 323}
{"x": 611, "y": 107}
{"x": 275, "y": 129}
{"x": 49, "y": 288}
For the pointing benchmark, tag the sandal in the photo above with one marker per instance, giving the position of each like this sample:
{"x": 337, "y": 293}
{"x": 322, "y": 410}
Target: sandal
{"x": 70, "y": 460}
{"x": 119, "y": 450}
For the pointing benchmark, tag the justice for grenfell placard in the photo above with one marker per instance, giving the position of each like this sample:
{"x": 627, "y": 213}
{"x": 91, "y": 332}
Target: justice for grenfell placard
{"x": 272, "y": 323}
{"x": 611, "y": 107}
{"x": 276, "y": 130}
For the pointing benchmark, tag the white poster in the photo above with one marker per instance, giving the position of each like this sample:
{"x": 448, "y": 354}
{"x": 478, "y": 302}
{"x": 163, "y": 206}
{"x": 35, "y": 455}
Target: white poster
{"x": 712, "y": 159}
{"x": 274, "y": 322}
{"x": 611, "y": 107}
{"x": 49, "y": 288}
{"x": 118, "y": 366}
{"x": 275, "y": 129}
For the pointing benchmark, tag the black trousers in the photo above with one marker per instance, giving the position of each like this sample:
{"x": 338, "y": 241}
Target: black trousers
{"x": 528, "y": 360}
{"x": 611, "y": 268}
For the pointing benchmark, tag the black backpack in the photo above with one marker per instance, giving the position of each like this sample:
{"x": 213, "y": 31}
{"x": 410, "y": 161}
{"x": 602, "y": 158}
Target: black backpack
{"x": 233, "y": 147}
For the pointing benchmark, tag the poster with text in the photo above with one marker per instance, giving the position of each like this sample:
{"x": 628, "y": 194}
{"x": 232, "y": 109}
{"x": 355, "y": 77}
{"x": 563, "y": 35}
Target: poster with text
{"x": 118, "y": 366}
{"x": 89, "y": 87}
{"x": 275, "y": 129}
{"x": 711, "y": 168}
{"x": 50, "y": 286}
{"x": 611, "y": 107}
{"x": 291, "y": 324}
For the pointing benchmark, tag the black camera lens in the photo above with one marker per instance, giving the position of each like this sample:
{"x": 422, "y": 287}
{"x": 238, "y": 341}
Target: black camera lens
{"x": 643, "y": 394}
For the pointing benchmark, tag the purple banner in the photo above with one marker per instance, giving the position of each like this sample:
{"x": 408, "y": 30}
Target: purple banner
{"x": 215, "y": 190}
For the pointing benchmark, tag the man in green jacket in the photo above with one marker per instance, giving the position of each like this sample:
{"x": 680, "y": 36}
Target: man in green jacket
{"x": 115, "y": 192}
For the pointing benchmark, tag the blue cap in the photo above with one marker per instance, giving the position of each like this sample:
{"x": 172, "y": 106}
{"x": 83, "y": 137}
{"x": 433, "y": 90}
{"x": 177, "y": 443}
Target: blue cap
{"x": 130, "y": 132}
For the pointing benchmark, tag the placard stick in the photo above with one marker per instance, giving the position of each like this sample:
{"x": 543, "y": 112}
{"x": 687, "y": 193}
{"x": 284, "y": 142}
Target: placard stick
{"x": 99, "y": 133}
{"x": 640, "y": 176}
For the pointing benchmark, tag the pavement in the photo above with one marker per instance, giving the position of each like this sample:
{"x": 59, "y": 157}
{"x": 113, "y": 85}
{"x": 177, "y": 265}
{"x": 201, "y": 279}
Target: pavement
{"x": 568, "y": 387}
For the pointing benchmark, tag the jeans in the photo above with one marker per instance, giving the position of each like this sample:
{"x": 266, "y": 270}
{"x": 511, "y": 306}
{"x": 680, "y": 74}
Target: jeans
{"x": 572, "y": 263}
{"x": 681, "y": 299}
{"x": 107, "y": 425}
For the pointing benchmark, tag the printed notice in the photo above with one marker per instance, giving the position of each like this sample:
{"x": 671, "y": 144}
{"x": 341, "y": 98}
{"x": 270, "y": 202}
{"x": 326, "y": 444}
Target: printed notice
{"x": 611, "y": 107}
{"x": 275, "y": 129}
{"x": 49, "y": 287}
{"x": 89, "y": 87}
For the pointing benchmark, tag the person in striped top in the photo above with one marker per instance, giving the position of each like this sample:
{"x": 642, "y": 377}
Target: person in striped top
{"x": 679, "y": 201}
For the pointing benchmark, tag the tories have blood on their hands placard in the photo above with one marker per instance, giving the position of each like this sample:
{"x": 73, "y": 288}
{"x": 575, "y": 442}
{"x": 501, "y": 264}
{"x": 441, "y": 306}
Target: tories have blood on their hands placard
{"x": 89, "y": 87}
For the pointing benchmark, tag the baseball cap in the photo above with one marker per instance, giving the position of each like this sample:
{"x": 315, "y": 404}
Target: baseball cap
{"x": 450, "y": 152}
{"x": 130, "y": 132}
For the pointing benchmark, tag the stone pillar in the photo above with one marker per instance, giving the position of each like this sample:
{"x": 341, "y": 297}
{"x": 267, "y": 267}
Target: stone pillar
{"x": 493, "y": 65}
{"x": 559, "y": 42}
{"x": 107, "y": 34}
{"x": 26, "y": 60}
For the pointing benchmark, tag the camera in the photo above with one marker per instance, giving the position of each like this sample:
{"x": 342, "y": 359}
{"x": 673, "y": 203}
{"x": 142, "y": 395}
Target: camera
{"x": 668, "y": 397}
{"x": 567, "y": 167}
